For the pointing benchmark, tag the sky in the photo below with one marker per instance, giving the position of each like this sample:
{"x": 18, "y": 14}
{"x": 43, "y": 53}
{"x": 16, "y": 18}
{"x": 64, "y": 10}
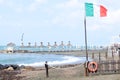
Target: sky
{"x": 57, "y": 20}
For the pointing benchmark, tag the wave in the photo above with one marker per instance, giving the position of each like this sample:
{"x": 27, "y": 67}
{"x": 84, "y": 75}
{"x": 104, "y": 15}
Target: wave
{"x": 30, "y": 59}
{"x": 66, "y": 60}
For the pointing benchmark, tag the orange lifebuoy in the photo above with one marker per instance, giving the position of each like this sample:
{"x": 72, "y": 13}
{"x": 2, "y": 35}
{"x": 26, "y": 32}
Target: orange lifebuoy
{"x": 92, "y": 66}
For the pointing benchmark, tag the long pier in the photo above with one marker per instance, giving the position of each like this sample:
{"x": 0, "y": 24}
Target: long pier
{"x": 35, "y": 48}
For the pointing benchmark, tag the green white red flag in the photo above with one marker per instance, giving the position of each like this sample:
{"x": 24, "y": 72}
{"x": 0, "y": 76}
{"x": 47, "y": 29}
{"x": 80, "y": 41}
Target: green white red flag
{"x": 90, "y": 10}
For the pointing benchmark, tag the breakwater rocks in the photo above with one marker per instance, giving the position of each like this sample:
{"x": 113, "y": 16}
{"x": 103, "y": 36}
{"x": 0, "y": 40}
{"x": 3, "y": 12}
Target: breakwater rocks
{"x": 10, "y": 71}
{"x": 15, "y": 67}
{"x": 10, "y": 67}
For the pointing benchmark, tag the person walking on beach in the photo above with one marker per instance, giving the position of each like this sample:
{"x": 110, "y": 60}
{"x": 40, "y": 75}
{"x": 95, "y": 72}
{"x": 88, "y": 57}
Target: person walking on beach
{"x": 46, "y": 67}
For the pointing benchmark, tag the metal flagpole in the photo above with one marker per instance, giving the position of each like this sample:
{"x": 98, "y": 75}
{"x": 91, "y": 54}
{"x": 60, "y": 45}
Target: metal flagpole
{"x": 86, "y": 63}
{"x": 85, "y": 39}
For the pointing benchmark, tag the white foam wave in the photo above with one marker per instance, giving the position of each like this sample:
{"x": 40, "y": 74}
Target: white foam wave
{"x": 66, "y": 60}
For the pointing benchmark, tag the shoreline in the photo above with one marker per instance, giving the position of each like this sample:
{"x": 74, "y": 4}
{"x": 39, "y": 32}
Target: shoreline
{"x": 38, "y": 60}
{"x": 74, "y": 54}
{"x": 65, "y": 72}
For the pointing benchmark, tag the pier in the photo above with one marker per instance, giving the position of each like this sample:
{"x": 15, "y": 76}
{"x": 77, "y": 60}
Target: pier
{"x": 41, "y": 47}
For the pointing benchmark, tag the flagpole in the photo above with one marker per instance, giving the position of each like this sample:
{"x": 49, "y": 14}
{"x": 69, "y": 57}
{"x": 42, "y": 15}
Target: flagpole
{"x": 85, "y": 39}
{"x": 86, "y": 63}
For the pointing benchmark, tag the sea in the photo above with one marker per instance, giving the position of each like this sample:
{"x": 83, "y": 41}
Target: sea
{"x": 37, "y": 59}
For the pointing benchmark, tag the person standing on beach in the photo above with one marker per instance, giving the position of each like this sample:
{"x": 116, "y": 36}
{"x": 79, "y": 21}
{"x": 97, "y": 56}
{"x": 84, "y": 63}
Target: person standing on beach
{"x": 46, "y": 67}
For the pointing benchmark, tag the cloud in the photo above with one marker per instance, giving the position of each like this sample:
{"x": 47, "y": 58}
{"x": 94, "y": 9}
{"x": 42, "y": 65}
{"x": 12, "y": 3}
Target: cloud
{"x": 94, "y": 27}
{"x": 49, "y": 11}
{"x": 20, "y": 6}
{"x": 74, "y": 14}
{"x": 1, "y": 1}
{"x": 1, "y": 17}
{"x": 69, "y": 4}
{"x": 11, "y": 5}
{"x": 113, "y": 17}
{"x": 19, "y": 9}
{"x": 115, "y": 39}
{"x": 5, "y": 2}
{"x": 70, "y": 17}
{"x": 69, "y": 13}
{"x": 36, "y": 4}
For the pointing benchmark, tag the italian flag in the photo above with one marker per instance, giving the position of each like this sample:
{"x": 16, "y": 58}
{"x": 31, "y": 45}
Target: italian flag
{"x": 90, "y": 10}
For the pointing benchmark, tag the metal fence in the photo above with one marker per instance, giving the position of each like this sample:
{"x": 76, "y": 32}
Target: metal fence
{"x": 108, "y": 65}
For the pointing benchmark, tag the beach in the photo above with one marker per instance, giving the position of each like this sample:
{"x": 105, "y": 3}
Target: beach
{"x": 68, "y": 72}
{"x": 65, "y": 72}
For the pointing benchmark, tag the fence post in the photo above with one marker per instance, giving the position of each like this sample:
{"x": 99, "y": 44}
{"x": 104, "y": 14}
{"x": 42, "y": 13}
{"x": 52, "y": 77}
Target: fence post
{"x": 118, "y": 65}
{"x": 99, "y": 57}
{"x": 86, "y": 68}
{"x": 100, "y": 63}
{"x": 119, "y": 54}
{"x": 112, "y": 56}
{"x": 106, "y": 55}
{"x": 92, "y": 55}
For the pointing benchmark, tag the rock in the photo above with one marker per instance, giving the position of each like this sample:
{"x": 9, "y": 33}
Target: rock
{"x": 15, "y": 67}
{"x": 9, "y": 69}
{"x": 1, "y": 67}
{"x": 22, "y": 67}
{"x": 6, "y": 66}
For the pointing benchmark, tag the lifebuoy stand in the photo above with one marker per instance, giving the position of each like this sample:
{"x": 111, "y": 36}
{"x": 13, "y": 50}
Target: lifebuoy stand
{"x": 86, "y": 68}
{"x": 92, "y": 66}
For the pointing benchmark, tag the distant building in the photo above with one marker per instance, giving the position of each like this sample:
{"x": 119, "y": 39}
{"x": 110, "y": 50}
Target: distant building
{"x": 11, "y": 44}
{"x": 114, "y": 49}
{"x": 10, "y": 47}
